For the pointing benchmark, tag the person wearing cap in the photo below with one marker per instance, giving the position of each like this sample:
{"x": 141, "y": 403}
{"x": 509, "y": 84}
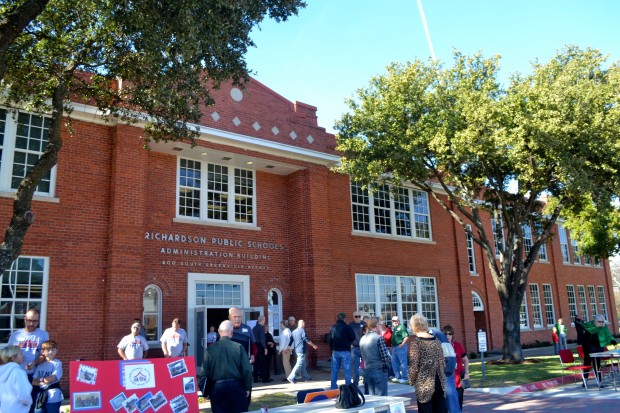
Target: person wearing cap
{"x": 133, "y": 346}
{"x": 341, "y": 337}
{"x": 399, "y": 351}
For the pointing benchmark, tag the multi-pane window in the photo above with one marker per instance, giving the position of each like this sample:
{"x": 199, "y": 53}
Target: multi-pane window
{"x": 22, "y": 287}
{"x": 471, "y": 255}
{"x": 536, "y": 307}
{"x": 587, "y": 260}
{"x": 151, "y": 315}
{"x": 23, "y": 139}
{"x": 216, "y": 192}
{"x": 523, "y": 316}
{"x": 223, "y": 294}
{"x": 549, "y": 311}
{"x": 401, "y": 212}
{"x": 274, "y": 311}
{"x": 576, "y": 254}
{"x": 542, "y": 251}
{"x": 572, "y": 301}
{"x": 602, "y": 302}
{"x": 387, "y": 296}
{"x": 564, "y": 244}
{"x": 583, "y": 305}
{"x": 592, "y": 298}
{"x": 527, "y": 239}
{"x": 498, "y": 234}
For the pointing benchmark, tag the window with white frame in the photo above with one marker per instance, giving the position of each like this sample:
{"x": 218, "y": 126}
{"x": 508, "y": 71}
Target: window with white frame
{"x": 583, "y": 305}
{"x": 498, "y": 233}
{"x": 597, "y": 262}
{"x": 576, "y": 254}
{"x": 402, "y": 212}
{"x": 216, "y": 193}
{"x": 536, "y": 307}
{"x": 388, "y": 295}
{"x": 564, "y": 244}
{"x": 527, "y": 239}
{"x": 592, "y": 298}
{"x": 476, "y": 302}
{"x": 151, "y": 315}
{"x": 542, "y": 251}
{"x": 602, "y": 302}
{"x": 523, "y": 316}
{"x": 587, "y": 260}
{"x": 23, "y": 286}
{"x": 549, "y": 310}
{"x": 471, "y": 254}
{"x": 23, "y": 139}
{"x": 274, "y": 311}
{"x": 572, "y": 301}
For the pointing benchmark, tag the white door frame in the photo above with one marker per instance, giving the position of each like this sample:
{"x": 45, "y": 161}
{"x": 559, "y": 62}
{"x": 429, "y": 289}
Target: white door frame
{"x": 195, "y": 278}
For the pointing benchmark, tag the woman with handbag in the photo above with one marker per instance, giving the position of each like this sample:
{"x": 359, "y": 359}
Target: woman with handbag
{"x": 426, "y": 367}
{"x": 461, "y": 375}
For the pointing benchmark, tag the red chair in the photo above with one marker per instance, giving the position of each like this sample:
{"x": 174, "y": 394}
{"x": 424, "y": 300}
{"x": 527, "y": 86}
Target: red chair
{"x": 580, "y": 352}
{"x": 569, "y": 364}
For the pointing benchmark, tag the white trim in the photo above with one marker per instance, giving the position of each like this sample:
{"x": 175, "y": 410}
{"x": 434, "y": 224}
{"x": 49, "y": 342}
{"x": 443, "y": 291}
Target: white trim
{"x": 194, "y": 278}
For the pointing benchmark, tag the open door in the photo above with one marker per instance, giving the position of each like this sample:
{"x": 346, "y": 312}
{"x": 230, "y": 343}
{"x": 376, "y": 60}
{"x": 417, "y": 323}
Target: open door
{"x": 206, "y": 317}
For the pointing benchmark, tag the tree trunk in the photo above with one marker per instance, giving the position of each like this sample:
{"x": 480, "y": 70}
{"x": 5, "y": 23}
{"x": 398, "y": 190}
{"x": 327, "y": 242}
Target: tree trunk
{"x": 23, "y": 217}
{"x": 511, "y": 303}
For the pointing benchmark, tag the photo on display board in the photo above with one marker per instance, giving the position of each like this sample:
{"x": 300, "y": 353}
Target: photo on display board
{"x": 158, "y": 401}
{"x": 144, "y": 402}
{"x": 189, "y": 385}
{"x": 86, "y": 400}
{"x": 87, "y": 374}
{"x": 117, "y": 401}
{"x": 177, "y": 368}
{"x": 131, "y": 404}
{"x": 179, "y": 404}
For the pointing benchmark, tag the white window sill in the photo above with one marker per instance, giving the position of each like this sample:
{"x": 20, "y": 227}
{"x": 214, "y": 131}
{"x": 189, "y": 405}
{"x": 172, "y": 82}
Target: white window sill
{"x": 248, "y": 227}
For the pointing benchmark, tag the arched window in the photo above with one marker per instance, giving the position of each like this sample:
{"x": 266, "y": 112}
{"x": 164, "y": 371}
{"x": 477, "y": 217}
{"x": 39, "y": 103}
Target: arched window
{"x": 151, "y": 316}
{"x": 477, "y": 302}
{"x": 274, "y": 311}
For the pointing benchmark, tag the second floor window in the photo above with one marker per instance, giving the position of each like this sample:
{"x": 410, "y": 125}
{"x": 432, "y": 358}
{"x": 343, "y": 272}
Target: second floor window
{"x": 401, "y": 212}
{"x": 23, "y": 139}
{"x": 214, "y": 192}
{"x": 564, "y": 244}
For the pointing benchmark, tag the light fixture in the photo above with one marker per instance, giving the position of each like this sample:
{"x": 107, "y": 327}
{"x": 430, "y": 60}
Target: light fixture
{"x": 269, "y": 166}
{"x": 249, "y": 162}
{"x": 226, "y": 158}
{"x": 178, "y": 149}
{"x": 204, "y": 153}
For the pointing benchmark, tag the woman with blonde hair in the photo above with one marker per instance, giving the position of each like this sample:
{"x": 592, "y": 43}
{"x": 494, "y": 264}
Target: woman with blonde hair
{"x": 426, "y": 367}
{"x": 15, "y": 390}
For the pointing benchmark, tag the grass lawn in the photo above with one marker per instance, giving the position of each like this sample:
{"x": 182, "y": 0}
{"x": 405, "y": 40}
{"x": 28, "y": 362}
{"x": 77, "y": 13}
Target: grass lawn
{"x": 504, "y": 375}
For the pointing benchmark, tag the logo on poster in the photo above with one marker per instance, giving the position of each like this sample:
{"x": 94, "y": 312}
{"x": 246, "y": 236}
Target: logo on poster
{"x": 139, "y": 377}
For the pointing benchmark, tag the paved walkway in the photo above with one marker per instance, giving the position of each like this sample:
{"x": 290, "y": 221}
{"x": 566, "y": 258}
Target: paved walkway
{"x": 573, "y": 398}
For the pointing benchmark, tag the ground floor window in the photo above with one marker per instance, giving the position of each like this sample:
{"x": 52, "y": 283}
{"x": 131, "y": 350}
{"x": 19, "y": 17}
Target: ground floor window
{"x": 389, "y": 295}
{"x": 151, "y": 316}
{"x": 22, "y": 287}
{"x": 274, "y": 311}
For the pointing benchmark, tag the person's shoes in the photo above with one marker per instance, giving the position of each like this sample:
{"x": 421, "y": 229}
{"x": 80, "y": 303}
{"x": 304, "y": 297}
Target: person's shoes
{"x": 308, "y": 379}
{"x": 403, "y": 381}
{"x": 391, "y": 378}
{"x": 284, "y": 380}
{"x": 267, "y": 380}
{"x": 292, "y": 381}
{"x": 395, "y": 380}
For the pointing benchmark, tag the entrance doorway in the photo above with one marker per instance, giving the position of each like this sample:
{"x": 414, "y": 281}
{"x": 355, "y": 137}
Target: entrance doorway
{"x": 480, "y": 320}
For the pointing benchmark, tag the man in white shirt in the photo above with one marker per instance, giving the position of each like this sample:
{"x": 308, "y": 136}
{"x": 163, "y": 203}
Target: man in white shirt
{"x": 29, "y": 339}
{"x": 284, "y": 348}
{"x": 133, "y": 346}
{"x": 174, "y": 340}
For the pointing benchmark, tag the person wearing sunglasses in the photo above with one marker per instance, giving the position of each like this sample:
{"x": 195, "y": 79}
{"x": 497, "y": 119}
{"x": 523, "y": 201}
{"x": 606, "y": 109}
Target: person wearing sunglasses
{"x": 133, "y": 346}
{"x": 461, "y": 375}
{"x": 356, "y": 357}
{"x": 596, "y": 337}
{"x": 29, "y": 339}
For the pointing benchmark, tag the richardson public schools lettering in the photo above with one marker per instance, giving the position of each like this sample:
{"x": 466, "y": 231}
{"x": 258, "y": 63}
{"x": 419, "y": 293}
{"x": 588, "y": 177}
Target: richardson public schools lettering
{"x": 160, "y": 236}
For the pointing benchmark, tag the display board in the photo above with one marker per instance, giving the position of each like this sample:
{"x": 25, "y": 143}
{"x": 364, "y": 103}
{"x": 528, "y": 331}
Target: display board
{"x": 134, "y": 386}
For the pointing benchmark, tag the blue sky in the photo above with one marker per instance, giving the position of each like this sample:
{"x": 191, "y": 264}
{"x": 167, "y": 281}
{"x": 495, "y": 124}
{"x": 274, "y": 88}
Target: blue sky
{"x": 334, "y": 47}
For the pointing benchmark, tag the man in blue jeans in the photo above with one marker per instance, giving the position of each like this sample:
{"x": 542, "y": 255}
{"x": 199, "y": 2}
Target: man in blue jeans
{"x": 376, "y": 359}
{"x": 340, "y": 338}
{"x": 399, "y": 351}
{"x": 357, "y": 325}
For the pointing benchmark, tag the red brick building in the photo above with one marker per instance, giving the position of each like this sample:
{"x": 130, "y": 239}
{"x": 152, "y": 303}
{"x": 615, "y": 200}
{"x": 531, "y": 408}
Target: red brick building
{"x": 253, "y": 217}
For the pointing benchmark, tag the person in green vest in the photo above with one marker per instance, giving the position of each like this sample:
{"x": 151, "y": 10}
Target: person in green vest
{"x": 596, "y": 337}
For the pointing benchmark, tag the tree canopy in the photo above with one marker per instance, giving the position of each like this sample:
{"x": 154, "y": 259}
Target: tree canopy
{"x": 150, "y": 61}
{"x": 543, "y": 148}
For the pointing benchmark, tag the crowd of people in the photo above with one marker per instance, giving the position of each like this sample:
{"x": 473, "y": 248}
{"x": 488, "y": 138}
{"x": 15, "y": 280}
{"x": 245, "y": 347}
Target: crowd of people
{"x": 237, "y": 355}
